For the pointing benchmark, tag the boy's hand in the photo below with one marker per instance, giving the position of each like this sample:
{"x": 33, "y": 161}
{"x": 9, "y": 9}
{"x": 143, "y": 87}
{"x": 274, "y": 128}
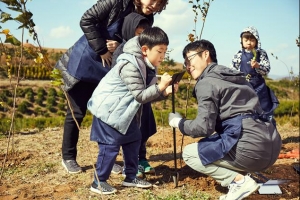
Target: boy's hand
{"x": 254, "y": 64}
{"x": 164, "y": 81}
{"x": 112, "y": 45}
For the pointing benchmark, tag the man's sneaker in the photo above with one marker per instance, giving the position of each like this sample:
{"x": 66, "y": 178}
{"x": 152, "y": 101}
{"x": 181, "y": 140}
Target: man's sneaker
{"x": 71, "y": 166}
{"x": 117, "y": 169}
{"x": 104, "y": 188}
{"x": 137, "y": 182}
{"x": 146, "y": 167}
{"x": 240, "y": 191}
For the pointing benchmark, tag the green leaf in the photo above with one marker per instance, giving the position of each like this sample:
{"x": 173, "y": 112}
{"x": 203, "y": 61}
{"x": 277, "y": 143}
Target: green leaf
{"x": 5, "y": 17}
{"x": 12, "y": 40}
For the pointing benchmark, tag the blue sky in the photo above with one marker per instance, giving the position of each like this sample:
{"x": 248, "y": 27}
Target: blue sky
{"x": 277, "y": 21}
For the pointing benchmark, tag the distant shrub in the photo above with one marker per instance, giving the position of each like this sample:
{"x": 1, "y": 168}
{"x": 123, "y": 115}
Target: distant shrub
{"x": 28, "y": 90}
{"x": 61, "y": 94}
{"x": 20, "y": 92}
{"x": 30, "y": 96}
{"x": 61, "y": 106}
{"x": 51, "y": 108}
{"x": 18, "y": 115}
{"x": 290, "y": 108}
{"x": 41, "y": 91}
{"x": 87, "y": 120}
{"x": 287, "y": 119}
{"x": 46, "y": 114}
{"x": 39, "y": 101}
{"x": 23, "y": 107}
{"x": 278, "y": 92}
{"x": 23, "y": 123}
{"x": 52, "y": 92}
{"x": 6, "y": 93}
{"x": 10, "y": 102}
{"x": 38, "y": 111}
{"x": 51, "y": 101}
{"x": 61, "y": 113}
{"x": 3, "y": 97}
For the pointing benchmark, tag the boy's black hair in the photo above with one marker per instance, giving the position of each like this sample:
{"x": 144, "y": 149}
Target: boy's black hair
{"x": 201, "y": 45}
{"x": 162, "y": 5}
{"x": 153, "y": 36}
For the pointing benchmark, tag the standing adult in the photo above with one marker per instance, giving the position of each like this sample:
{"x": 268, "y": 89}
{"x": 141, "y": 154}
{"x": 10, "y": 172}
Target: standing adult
{"x": 88, "y": 61}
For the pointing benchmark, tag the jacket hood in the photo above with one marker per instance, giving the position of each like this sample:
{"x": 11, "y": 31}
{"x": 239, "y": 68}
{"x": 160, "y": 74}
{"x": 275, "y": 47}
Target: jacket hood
{"x": 254, "y": 32}
{"x": 223, "y": 73}
{"x": 133, "y": 47}
{"x": 130, "y": 24}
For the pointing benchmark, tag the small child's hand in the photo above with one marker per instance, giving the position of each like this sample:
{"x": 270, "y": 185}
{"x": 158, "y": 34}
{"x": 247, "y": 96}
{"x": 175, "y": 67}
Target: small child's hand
{"x": 164, "y": 81}
{"x": 254, "y": 64}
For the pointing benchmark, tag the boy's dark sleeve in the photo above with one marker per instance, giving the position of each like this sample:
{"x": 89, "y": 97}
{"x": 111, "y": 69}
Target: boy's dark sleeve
{"x": 98, "y": 14}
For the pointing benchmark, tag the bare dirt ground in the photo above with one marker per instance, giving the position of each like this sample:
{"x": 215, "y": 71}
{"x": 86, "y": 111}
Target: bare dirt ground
{"x": 35, "y": 172}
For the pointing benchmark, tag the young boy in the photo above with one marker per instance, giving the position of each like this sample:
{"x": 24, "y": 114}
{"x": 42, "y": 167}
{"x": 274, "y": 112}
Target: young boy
{"x": 236, "y": 138}
{"x": 254, "y": 62}
{"x": 133, "y": 25}
{"x": 117, "y": 102}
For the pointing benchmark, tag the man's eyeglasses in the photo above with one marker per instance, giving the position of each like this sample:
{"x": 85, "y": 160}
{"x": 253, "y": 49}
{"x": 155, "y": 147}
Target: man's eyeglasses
{"x": 187, "y": 60}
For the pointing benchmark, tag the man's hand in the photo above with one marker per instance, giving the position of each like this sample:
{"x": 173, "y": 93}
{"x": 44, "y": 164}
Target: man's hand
{"x": 174, "y": 119}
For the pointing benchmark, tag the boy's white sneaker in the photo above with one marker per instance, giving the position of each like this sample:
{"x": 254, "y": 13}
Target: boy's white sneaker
{"x": 240, "y": 191}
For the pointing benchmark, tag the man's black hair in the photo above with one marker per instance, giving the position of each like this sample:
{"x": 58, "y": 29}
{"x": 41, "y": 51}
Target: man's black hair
{"x": 201, "y": 45}
{"x": 153, "y": 36}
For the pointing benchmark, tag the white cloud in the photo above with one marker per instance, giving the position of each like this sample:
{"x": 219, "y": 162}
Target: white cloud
{"x": 61, "y": 32}
{"x": 177, "y": 21}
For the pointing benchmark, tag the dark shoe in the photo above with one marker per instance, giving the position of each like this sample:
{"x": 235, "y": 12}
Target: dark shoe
{"x": 117, "y": 169}
{"x": 104, "y": 188}
{"x": 146, "y": 166}
{"x": 137, "y": 182}
{"x": 71, "y": 166}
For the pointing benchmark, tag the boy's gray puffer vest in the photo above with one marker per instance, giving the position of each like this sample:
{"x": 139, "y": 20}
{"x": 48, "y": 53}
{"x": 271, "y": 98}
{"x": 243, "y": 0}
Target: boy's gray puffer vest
{"x": 111, "y": 101}
{"x": 117, "y": 103}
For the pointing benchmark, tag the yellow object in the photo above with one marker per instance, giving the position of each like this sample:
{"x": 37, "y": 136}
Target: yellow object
{"x": 254, "y": 54}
